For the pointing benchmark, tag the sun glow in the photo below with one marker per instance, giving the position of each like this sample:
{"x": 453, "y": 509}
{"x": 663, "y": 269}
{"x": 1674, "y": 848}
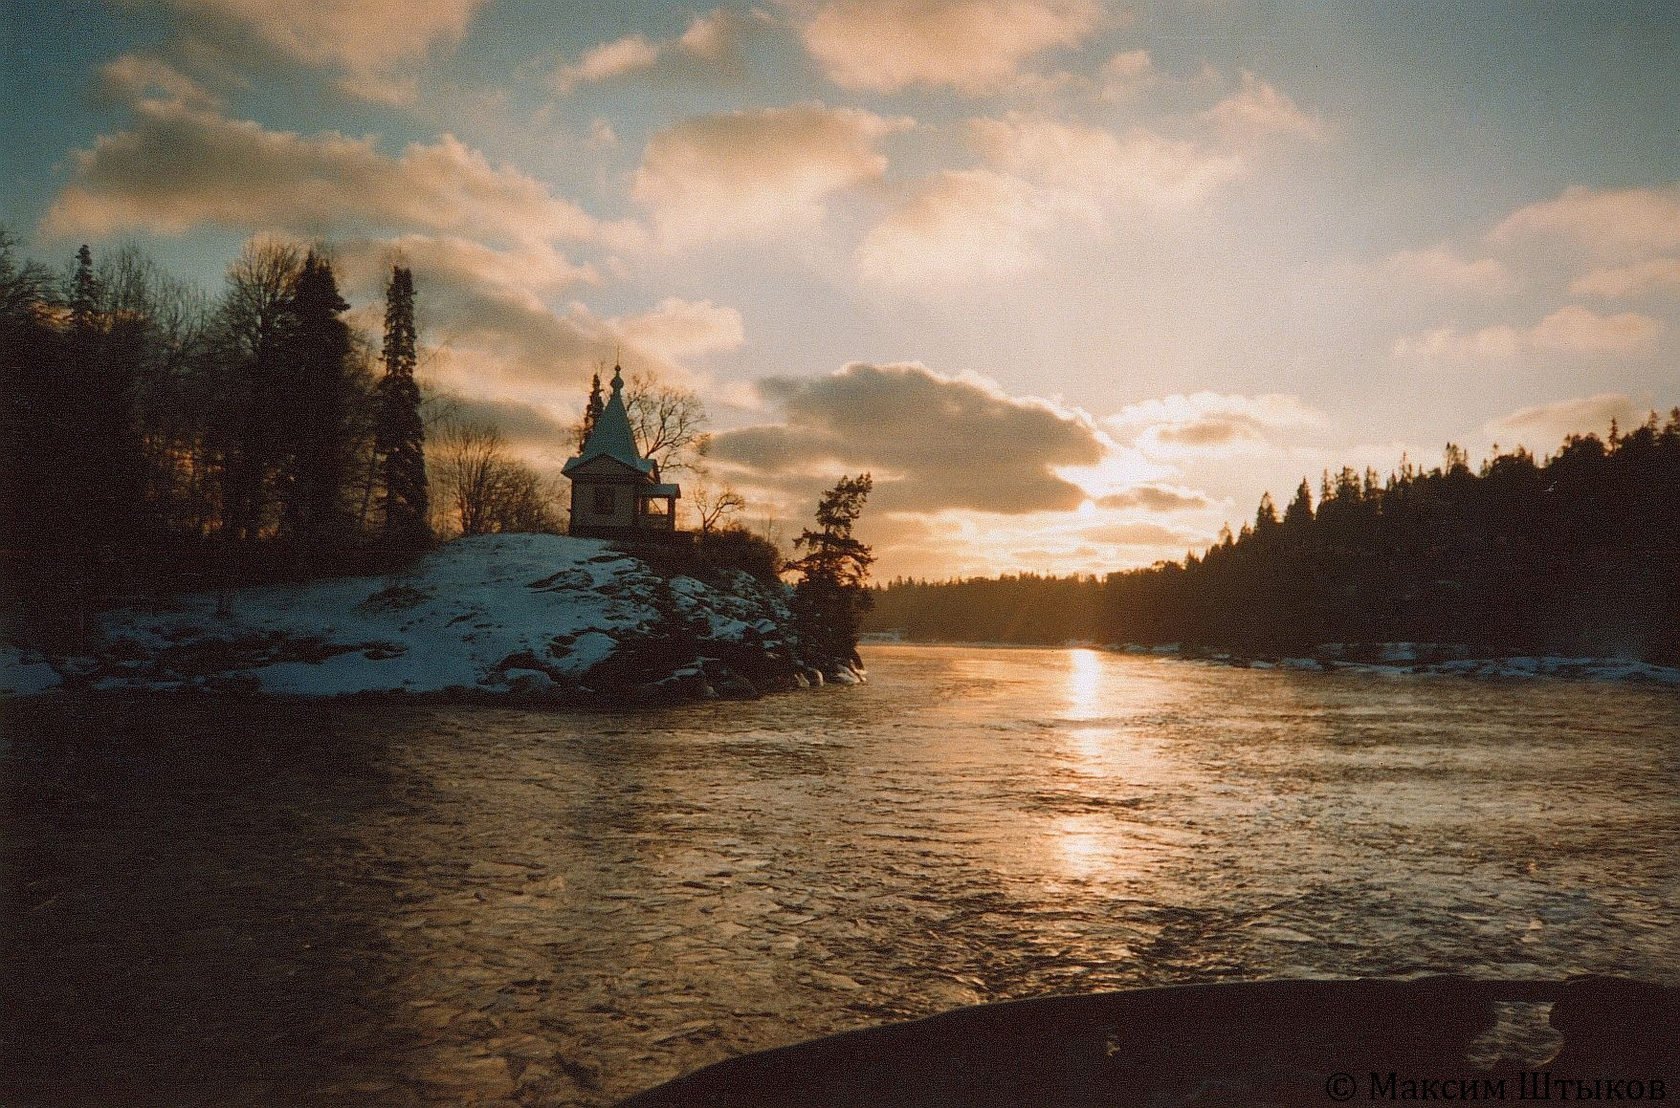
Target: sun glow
{"x": 1084, "y": 684}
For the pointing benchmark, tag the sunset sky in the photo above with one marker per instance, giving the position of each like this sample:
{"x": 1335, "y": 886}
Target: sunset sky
{"x": 1076, "y": 282}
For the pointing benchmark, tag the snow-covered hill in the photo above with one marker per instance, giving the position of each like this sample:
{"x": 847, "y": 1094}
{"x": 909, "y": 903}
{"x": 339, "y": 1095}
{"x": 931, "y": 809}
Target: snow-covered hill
{"x": 539, "y": 616}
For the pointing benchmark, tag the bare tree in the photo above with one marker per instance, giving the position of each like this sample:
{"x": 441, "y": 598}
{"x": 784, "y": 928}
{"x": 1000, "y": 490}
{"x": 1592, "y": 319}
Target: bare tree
{"x": 714, "y": 505}
{"x": 481, "y": 489}
{"x": 468, "y": 456}
{"x": 249, "y": 340}
{"x": 670, "y": 422}
{"x": 524, "y": 501}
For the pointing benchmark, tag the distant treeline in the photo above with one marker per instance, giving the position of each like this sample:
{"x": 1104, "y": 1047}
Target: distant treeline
{"x": 1578, "y": 553}
{"x": 1028, "y": 608}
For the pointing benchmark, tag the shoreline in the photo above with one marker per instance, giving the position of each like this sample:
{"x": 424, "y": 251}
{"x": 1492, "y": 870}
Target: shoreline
{"x": 539, "y": 619}
{"x": 1364, "y": 658}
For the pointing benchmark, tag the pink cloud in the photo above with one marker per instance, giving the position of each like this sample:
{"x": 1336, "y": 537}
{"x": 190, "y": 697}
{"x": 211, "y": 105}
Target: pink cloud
{"x": 1636, "y": 222}
{"x": 976, "y": 46}
{"x": 180, "y": 167}
{"x": 752, "y": 173}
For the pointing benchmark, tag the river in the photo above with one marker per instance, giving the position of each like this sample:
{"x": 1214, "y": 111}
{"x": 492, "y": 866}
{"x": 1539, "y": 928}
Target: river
{"x": 226, "y": 902}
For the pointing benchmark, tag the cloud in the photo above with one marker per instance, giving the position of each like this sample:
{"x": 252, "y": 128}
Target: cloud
{"x": 535, "y": 267}
{"x": 529, "y": 429}
{"x": 1448, "y": 344}
{"x": 1209, "y": 423}
{"x": 366, "y": 39}
{"x": 958, "y": 227}
{"x": 932, "y": 441}
{"x": 1571, "y": 330}
{"x": 1127, "y": 75}
{"x": 1442, "y": 268}
{"x": 1578, "y": 330}
{"x": 975, "y": 46}
{"x": 1138, "y": 167}
{"x": 710, "y": 42}
{"x": 1633, "y": 222}
{"x": 1543, "y": 426}
{"x": 682, "y": 328}
{"x": 1620, "y": 282}
{"x": 181, "y": 167}
{"x": 1142, "y": 534}
{"x": 631, "y": 54}
{"x": 132, "y": 78}
{"x": 961, "y": 226}
{"x": 490, "y": 332}
{"x": 748, "y": 173}
{"x": 1157, "y": 498}
{"x": 1259, "y": 110}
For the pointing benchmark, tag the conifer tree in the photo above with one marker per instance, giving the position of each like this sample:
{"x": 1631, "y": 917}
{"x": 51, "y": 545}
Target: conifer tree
{"x": 399, "y": 432}
{"x": 319, "y": 401}
{"x": 830, "y": 598}
{"x": 1300, "y": 512}
{"x": 591, "y": 411}
{"x": 84, "y": 292}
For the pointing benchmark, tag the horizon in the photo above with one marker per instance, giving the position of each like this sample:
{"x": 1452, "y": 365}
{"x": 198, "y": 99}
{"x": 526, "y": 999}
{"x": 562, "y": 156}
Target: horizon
{"x": 1076, "y": 283}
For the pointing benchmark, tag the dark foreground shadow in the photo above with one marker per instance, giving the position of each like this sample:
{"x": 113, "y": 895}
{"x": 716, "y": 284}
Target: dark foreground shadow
{"x": 1278, "y": 1043}
{"x": 186, "y": 912}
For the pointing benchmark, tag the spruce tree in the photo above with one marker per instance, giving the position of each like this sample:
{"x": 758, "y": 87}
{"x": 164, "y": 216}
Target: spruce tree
{"x": 84, "y": 292}
{"x": 399, "y": 432}
{"x": 591, "y": 411}
{"x": 319, "y": 402}
{"x": 1299, "y": 514}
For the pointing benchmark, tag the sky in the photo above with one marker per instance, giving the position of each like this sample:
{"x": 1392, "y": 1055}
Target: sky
{"x": 1075, "y": 282}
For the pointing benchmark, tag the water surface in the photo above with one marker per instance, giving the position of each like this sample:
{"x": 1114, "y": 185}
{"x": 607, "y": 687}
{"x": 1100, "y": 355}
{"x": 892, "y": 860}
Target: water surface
{"x": 234, "y": 903}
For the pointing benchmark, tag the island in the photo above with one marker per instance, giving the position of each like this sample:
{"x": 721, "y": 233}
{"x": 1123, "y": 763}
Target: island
{"x": 541, "y": 618}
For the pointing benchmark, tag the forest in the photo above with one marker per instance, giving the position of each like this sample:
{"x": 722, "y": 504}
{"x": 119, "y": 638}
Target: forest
{"x": 1577, "y": 553}
{"x": 156, "y": 437}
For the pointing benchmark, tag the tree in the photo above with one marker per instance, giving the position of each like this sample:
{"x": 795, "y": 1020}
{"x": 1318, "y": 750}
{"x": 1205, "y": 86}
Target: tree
{"x": 244, "y": 393}
{"x": 29, "y": 397}
{"x": 1299, "y": 514}
{"x": 101, "y": 463}
{"x": 488, "y": 492}
{"x": 670, "y": 422}
{"x": 399, "y": 431}
{"x": 715, "y": 505}
{"x": 830, "y": 598}
{"x": 317, "y": 444}
{"x": 83, "y": 297}
{"x": 467, "y": 455}
{"x": 591, "y": 411}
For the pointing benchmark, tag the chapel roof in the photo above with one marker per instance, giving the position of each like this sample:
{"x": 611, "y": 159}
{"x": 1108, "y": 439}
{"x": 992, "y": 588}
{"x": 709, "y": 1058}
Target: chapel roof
{"x": 611, "y": 436}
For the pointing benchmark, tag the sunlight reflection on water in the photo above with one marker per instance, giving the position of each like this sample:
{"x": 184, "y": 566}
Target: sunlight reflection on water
{"x": 571, "y": 907}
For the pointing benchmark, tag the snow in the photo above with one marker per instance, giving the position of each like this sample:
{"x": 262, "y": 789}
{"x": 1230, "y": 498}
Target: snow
{"x": 24, "y": 674}
{"x": 497, "y": 613}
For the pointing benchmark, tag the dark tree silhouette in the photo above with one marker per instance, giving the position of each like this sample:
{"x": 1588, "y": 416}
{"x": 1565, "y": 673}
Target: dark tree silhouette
{"x": 399, "y": 430}
{"x": 830, "y": 598}
{"x": 1572, "y": 555}
{"x": 1575, "y": 554}
{"x": 591, "y": 411}
{"x": 669, "y": 421}
{"x": 83, "y": 298}
{"x": 248, "y": 385}
{"x": 318, "y": 399}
